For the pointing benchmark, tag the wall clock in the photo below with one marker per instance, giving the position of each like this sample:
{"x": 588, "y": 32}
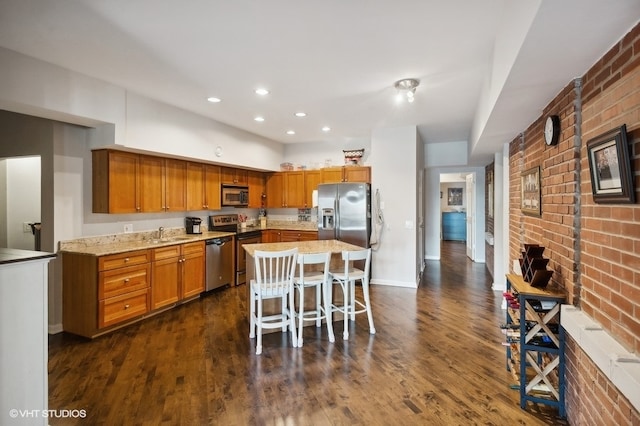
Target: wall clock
{"x": 552, "y": 130}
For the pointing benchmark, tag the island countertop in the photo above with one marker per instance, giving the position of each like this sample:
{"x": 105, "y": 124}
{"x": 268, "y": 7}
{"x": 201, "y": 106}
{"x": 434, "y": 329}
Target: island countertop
{"x": 316, "y": 246}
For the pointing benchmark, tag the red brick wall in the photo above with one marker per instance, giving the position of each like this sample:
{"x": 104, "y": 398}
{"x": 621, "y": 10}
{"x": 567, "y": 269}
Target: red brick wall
{"x": 594, "y": 249}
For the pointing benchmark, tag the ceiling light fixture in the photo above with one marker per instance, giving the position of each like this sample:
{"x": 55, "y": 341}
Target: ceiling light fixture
{"x": 262, "y": 92}
{"x": 214, "y": 100}
{"x": 301, "y": 114}
{"x": 407, "y": 88}
{"x": 326, "y": 129}
{"x": 291, "y": 132}
{"x": 259, "y": 119}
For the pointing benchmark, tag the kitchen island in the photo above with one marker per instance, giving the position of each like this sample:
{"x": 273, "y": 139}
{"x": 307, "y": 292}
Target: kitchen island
{"x": 335, "y": 247}
{"x": 23, "y": 335}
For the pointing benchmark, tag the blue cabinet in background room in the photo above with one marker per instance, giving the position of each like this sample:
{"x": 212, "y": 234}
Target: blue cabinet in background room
{"x": 454, "y": 226}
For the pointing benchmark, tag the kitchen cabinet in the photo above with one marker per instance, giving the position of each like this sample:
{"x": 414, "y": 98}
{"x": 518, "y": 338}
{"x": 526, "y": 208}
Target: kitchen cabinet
{"x": 104, "y": 291}
{"x": 291, "y": 189}
{"x": 234, "y": 176}
{"x": 131, "y": 183}
{"x": 203, "y": 186}
{"x": 278, "y": 236}
{"x": 257, "y": 189}
{"x": 115, "y": 182}
{"x": 177, "y": 273}
{"x": 346, "y": 174}
{"x": 312, "y": 178}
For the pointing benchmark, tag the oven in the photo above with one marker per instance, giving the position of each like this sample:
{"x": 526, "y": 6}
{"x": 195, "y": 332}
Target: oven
{"x": 250, "y": 235}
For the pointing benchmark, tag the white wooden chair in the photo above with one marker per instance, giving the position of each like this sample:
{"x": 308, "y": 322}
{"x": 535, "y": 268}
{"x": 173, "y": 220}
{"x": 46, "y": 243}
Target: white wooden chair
{"x": 346, "y": 278}
{"x": 274, "y": 272}
{"x": 319, "y": 280}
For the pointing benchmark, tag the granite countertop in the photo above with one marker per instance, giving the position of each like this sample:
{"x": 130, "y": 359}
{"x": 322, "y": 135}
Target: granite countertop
{"x": 318, "y": 246}
{"x": 9, "y": 255}
{"x": 119, "y": 243}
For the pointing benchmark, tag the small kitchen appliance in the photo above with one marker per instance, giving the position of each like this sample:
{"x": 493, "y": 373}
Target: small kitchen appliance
{"x": 193, "y": 225}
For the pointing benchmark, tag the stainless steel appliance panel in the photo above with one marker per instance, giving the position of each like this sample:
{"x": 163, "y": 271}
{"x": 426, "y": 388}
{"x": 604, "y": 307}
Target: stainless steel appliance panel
{"x": 219, "y": 262}
{"x": 344, "y": 212}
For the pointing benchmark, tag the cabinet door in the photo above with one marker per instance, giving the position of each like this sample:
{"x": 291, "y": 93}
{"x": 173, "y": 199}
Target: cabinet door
{"x": 275, "y": 190}
{"x": 294, "y": 194}
{"x": 331, "y": 174}
{"x": 233, "y": 176}
{"x": 151, "y": 184}
{"x": 176, "y": 185}
{"x": 115, "y": 182}
{"x": 193, "y": 265}
{"x": 256, "y": 189}
{"x": 298, "y": 236}
{"x": 357, "y": 174}
{"x": 165, "y": 285}
{"x": 212, "y": 187}
{"x": 195, "y": 186}
{"x": 312, "y": 178}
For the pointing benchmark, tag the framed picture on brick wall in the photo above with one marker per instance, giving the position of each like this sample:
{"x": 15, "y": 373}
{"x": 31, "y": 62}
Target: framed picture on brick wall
{"x": 530, "y": 192}
{"x": 611, "y": 180}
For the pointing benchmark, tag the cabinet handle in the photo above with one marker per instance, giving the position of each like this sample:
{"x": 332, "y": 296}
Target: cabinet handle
{"x": 137, "y": 209}
{"x": 126, "y": 306}
{"x": 126, "y": 280}
{"x": 126, "y": 259}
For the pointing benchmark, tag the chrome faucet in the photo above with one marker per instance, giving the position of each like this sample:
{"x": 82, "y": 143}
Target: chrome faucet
{"x": 161, "y": 232}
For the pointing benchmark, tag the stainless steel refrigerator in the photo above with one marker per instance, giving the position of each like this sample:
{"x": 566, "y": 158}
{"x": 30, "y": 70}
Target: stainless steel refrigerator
{"x": 344, "y": 212}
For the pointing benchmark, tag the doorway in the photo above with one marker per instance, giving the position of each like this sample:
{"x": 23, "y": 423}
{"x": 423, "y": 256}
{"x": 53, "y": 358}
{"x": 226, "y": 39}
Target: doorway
{"x": 458, "y": 210}
{"x": 20, "y": 196}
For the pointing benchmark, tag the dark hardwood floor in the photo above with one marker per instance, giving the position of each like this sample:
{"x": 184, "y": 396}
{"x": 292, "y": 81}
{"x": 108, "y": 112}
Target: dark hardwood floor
{"x": 436, "y": 359}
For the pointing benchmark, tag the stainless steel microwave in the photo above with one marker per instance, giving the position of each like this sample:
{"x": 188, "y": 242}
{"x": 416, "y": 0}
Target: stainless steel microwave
{"x": 235, "y": 195}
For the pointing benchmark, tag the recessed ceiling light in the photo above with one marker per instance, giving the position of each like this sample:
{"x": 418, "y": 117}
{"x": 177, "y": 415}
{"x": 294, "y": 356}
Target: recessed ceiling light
{"x": 326, "y": 129}
{"x": 214, "y": 100}
{"x": 291, "y": 132}
{"x": 301, "y": 114}
{"x": 262, "y": 91}
{"x": 259, "y": 119}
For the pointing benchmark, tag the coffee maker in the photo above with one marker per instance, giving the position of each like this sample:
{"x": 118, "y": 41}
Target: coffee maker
{"x": 193, "y": 225}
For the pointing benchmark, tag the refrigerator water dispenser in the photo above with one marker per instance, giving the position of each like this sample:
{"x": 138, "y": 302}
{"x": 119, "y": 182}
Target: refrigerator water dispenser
{"x": 328, "y": 216}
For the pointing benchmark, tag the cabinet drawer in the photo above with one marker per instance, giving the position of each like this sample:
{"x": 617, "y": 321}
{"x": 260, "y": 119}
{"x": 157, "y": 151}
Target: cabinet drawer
{"x": 123, "y": 280}
{"x": 123, "y": 259}
{"x": 166, "y": 252}
{"x": 191, "y": 248}
{"x": 120, "y": 308}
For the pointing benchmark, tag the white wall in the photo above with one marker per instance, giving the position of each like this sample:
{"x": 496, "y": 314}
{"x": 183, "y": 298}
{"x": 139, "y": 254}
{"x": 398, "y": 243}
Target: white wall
{"x": 3, "y": 203}
{"x": 394, "y": 174}
{"x": 23, "y": 200}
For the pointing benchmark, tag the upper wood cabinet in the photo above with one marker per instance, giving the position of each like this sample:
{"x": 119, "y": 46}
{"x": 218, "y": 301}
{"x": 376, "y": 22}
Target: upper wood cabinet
{"x": 203, "y": 186}
{"x": 292, "y": 189}
{"x": 115, "y": 182}
{"x": 212, "y": 187}
{"x": 234, "y": 176}
{"x": 274, "y": 189}
{"x": 346, "y": 174}
{"x": 312, "y": 178}
{"x": 256, "y": 183}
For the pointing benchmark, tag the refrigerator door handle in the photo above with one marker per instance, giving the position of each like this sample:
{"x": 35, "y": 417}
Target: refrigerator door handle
{"x": 336, "y": 209}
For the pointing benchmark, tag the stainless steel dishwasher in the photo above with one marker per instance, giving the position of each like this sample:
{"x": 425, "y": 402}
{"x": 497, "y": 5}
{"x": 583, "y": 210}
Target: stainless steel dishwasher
{"x": 220, "y": 267}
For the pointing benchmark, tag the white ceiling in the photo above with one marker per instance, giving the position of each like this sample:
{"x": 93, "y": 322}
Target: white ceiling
{"x": 487, "y": 67}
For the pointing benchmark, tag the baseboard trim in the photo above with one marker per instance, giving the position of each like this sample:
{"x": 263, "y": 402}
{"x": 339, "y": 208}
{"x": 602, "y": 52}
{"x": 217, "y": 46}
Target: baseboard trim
{"x": 55, "y": 328}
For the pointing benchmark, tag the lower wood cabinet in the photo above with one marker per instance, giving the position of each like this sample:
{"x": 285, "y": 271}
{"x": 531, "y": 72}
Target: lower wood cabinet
{"x": 102, "y": 293}
{"x": 278, "y": 236}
